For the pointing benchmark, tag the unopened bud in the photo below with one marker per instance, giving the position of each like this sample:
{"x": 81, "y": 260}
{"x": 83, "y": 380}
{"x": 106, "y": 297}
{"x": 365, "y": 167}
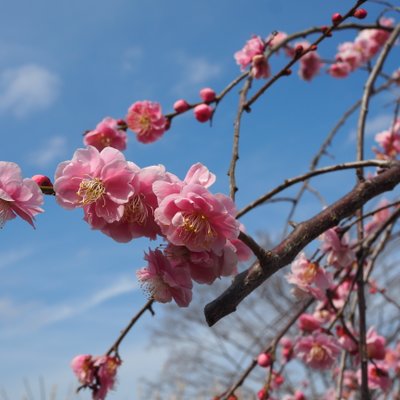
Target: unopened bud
{"x": 207, "y": 95}
{"x": 336, "y": 18}
{"x": 360, "y": 13}
{"x": 181, "y": 106}
{"x": 203, "y": 112}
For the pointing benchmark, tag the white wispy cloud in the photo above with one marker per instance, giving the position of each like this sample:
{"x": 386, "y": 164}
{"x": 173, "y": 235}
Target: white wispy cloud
{"x": 132, "y": 58}
{"x": 27, "y": 89}
{"x": 53, "y": 149}
{"x": 195, "y": 71}
{"x": 374, "y": 125}
{"x": 35, "y": 315}
{"x": 14, "y": 256}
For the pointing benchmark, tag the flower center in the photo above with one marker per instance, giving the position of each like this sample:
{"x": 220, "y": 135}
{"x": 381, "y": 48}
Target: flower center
{"x": 136, "y": 210}
{"x": 310, "y": 272}
{"x": 145, "y": 122}
{"x": 317, "y": 352}
{"x": 197, "y": 228}
{"x": 90, "y": 190}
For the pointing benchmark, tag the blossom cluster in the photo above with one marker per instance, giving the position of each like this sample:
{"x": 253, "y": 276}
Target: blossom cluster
{"x": 352, "y": 55}
{"x": 98, "y": 373}
{"x": 125, "y": 201}
{"x": 389, "y": 141}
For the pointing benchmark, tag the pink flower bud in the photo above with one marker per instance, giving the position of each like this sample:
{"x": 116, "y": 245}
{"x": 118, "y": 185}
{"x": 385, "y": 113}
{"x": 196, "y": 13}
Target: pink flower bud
{"x": 264, "y": 360}
{"x": 336, "y": 18}
{"x": 261, "y": 394}
{"x": 203, "y": 112}
{"x": 181, "y": 106}
{"x": 361, "y": 13}
{"x": 42, "y": 180}
{"x": 207, "y": 95}
{"x": 298, "y": 49}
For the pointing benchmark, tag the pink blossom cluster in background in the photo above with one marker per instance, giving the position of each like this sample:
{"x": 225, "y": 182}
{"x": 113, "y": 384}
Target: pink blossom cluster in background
{"x": 18, "y": 196}
{"x": 98, "y": 373}
{"x": 389, "y": 141}
{"x": 125, "y": 202}
{"x": 352, "y": 55}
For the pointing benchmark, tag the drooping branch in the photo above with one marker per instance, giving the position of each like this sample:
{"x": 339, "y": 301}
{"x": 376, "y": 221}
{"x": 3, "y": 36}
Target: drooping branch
{"x": 284, "y": 253}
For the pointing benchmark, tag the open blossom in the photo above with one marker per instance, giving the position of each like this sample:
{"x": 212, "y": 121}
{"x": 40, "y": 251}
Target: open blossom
{"x": 310, "y": 63}
{"x": 317, "y": 350}
{"x": 138, "y": 217}
{"x": 352, "y": 55}
{"x": 309, "y": 277}
{"x": 97, "y": 373}
{"x": 197, "y": 219}
{"x": 145, "y": 118}
{"x": 260, "y": 67}
{"x": 106, "y": 133}
{"x": 308, "y": 323}
{"x": 99, "y": 182}
{"x": 389, "y": 141}
{"x": 378, "y": 376}
{"x": 164, "y": 281}
{"x": 18, "y": 197}
{"x": 337, "y": 249}
{"x": 253, "y": 47}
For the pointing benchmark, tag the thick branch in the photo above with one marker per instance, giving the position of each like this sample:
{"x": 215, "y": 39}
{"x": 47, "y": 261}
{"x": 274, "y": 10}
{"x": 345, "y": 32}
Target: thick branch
{"x": 283, "y": 254}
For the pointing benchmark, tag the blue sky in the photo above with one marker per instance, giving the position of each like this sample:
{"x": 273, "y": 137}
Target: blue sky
{"x": 64, "y": 66}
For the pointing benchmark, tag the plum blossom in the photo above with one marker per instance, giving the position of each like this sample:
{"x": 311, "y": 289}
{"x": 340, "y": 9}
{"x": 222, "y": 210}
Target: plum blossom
{"x": 138, "y": 217}
{"x": 99, "y": 182}
{"x": 375, "y": 345}
{"x": 189, "y": 215}
{"x": 309, "y": 277}
{"x": 378, "y": 376}
{"x": 352, "y": 55}
{"x": 317, "y": 350}
{"x": 308, "y": 323}
{"x": 96, "y": 372}
{"x": 107, "y": 133}
{"x": 389, "y": 141}
{"x": 145, "y": 118}
{"x": 164, "y": 281}
{"x": 337, "y": 248}
{"x": 310, "y": 63}
{"x": 253, "y": 47}
{"x": 18, "y": 197}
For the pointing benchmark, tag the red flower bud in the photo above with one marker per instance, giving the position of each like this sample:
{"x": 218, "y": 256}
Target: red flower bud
{"x": 203, "y": 112}
{"x": 181, "y": 106}
{"x": 207, "y": 95}
{"x": 336, "y": 18}
{"x": 360, "y": 13}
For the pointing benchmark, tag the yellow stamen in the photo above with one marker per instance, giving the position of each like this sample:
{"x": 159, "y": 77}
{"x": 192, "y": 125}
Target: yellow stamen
{"x": 317, "y": 352}
{"x": 197, "y": 228}
{"x": 136, "y": 211}
{"x": 90, "y": 190}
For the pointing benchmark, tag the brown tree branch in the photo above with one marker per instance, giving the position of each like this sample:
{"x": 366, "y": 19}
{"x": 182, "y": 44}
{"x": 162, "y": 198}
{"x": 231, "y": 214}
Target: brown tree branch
{"x": 283, "y": 254}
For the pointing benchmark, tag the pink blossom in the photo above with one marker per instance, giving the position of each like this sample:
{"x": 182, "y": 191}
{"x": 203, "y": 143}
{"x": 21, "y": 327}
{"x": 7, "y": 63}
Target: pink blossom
{"x": 193, "y": 217}
{"x": 96, "y": 372}
{"x": 138, "y": 217}
{"x": 106, "y": 371}
{"x": 260, "y": 67}
{"x": 82, "y": 366}
{"x": 378, "y": 376}
{"x": 164, "y": 281}
{"x": 203, "y": 112}
{"x": 375, "y": 345}
{"x": 145, "y": 118}
{"x": 106, "y": 133}
{"x": 308, "y": 323}
{"x": 253, "y": 47}
{"x": 347, "y": 341}
{"x": 337, "y": 249}
{"x": 339, "y": 70}
{"x": 317, "y": 350}
{"x": 310, "y": 63}
{"x": 287, "y": 349}
{"x": 18, "y": 196}
{"x": 379, "y": 217}
{"x": 264, "y": 360}
{"x": 389, "y": 140}
{"x": 309, "y": 277}
{"x": 276, "y": 39}
{"x": 99, "y": 182}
